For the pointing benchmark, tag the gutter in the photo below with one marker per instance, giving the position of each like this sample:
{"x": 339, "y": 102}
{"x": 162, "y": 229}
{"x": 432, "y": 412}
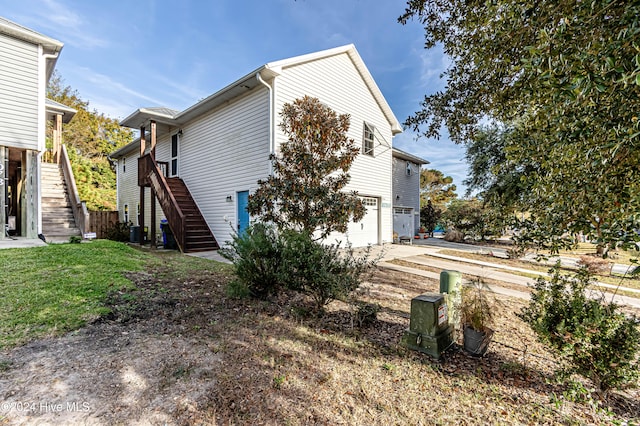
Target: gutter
{"x": 271, "y": 118}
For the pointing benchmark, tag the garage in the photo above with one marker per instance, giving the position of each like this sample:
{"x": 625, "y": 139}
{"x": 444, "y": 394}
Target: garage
{"x": 403, "y": 221}
{"x": 367, "y": 230}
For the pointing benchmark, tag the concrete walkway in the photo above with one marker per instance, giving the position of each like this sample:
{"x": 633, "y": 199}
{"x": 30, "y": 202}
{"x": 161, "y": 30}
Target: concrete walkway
{"x": 494, "y": 271}
{"x": 20, "y": 242}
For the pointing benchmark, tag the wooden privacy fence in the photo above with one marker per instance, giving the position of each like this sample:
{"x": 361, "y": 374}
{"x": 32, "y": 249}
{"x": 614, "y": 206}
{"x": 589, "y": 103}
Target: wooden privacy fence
{"x": 101, "y": 221}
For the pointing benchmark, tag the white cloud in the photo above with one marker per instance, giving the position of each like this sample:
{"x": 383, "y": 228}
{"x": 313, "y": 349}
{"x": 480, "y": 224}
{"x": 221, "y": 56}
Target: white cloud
{"x": 62, "y": 22}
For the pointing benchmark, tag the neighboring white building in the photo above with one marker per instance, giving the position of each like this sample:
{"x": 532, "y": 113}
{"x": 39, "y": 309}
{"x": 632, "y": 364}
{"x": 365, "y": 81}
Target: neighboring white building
{"x": 220, "y": 148}
{"x": 27, "y": 60}
{"x": 406, "y": 193}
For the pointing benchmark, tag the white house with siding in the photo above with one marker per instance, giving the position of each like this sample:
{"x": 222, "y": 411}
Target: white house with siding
{"x": 33, "y": 200}
{"x": 406, "y": 192}
{"x": 219, "y": 148}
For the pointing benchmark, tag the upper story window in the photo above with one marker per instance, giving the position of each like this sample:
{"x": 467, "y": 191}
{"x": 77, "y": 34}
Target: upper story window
{"x": 409, "y": 168}
{"x": 124, "y": 164}
{"x": 367, "y": 139}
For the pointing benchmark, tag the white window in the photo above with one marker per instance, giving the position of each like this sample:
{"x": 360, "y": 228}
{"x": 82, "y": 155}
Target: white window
{"x": 367, "y": 139}
{"x": 173, "y": 165}
{"x": 402, "y": 210}
{"x": 408, "y": 168}
{"x": 368, "y": 201}
{"x": 124, "y": 164}
{"x": 126, "y": 213}
{"x": 138, "y": 214}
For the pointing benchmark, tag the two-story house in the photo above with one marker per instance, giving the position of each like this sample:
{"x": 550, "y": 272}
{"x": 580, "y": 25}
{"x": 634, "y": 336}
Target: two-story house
{"x": 406, "y": 193}
{"x": 33, "y": 199}
{"x": 200, "y": 164}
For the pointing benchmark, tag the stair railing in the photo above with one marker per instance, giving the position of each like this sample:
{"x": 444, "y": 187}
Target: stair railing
{"x": 79, "y": 207}
{"x": 150, "y": 173}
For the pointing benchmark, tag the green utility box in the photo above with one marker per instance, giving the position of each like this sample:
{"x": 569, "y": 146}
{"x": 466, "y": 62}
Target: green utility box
{"x": 429, "y": 328}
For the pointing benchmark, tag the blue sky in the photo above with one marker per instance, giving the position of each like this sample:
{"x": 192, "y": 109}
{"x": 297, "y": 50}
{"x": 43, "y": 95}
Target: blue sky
{"x": 121, "y": 55}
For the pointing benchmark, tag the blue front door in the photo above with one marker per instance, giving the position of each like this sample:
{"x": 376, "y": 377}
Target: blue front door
{"x": 243, "y": 214}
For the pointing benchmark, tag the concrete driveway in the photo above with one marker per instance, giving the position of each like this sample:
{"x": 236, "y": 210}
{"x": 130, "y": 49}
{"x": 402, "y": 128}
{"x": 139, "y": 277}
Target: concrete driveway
{"x": 473, "y": 268}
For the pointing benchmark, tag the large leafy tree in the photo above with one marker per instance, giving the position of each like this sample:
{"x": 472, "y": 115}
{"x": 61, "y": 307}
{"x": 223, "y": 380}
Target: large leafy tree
{"x": 306, "y": 190}
{"x": 565, "y": 77}
{"x": 437, "y": 188}
{"x": 90, "y": 137}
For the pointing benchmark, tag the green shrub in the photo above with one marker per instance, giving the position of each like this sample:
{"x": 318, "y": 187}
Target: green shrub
{"x": 366, "y": 313}
{"x": 119, "y": 232}
{"x": 75, "y": 239}
{"x": 324, "y": 272}
{"x": 599, "y": 342}
{"x": 256, "y": 255}
{"x": 237, "y": 289}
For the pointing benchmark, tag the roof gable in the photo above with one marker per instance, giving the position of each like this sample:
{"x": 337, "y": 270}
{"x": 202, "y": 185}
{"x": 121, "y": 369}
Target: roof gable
{"x": 356, "y": 59}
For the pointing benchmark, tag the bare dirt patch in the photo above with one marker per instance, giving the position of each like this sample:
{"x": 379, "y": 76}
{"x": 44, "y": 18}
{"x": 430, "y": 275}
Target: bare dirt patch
{"x": 146, "y": 363}
{"x": 178, "y": 351}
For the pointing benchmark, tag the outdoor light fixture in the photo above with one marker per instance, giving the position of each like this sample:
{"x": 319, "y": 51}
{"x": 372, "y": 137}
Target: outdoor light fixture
{"x": 229, "y": 198}
{"x": 180, "y": 132}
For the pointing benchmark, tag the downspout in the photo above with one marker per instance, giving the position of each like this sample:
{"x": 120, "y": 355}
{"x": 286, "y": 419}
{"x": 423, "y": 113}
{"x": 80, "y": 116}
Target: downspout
{"x": 271, "y": 118}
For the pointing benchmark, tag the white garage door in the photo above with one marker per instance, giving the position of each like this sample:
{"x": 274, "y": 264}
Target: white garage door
{"x": 367, "y": 230}
{"x": 403, "y": 221}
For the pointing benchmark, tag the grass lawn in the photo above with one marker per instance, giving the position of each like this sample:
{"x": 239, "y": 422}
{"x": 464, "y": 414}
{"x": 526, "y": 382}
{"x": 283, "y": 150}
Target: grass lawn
{"x": 52, "y": 289}
{"x": 173, "y": 335}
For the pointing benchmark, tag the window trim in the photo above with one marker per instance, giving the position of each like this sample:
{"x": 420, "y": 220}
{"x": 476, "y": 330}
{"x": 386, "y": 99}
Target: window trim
{"x": 368, "y": 129}
{"x": 174, "y": 172}
{"x": 126, "y": 213}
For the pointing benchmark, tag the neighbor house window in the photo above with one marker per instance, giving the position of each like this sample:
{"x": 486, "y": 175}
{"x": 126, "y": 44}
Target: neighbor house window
{"x": 124, "y": 164}
{"x": 138, "y": 214}
{"x": 408, "y": 168}
{"x": 367, "y": 142}
{"x": 126, "y": 213}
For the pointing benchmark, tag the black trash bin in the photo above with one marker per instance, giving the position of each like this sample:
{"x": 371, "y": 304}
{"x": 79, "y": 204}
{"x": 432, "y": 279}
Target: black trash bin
{"x": 134, "y": 234}
{"x": 168, "y": 240}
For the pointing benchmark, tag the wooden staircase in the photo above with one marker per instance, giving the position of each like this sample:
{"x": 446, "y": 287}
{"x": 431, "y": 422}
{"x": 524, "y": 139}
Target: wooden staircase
{"x": 198, "y": 237}
{"x": 189, "y": 228}
{"x": 58, "y": 223}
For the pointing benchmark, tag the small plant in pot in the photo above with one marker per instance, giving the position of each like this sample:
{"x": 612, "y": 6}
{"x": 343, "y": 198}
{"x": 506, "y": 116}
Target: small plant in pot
{"x": 477, "y": 310}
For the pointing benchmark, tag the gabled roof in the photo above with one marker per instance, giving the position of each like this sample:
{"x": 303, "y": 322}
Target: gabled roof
{"x": 403, "y": 155}
{"x": 249, "y": 81}
{"x": 52, "y": 107}
{"x": 49, "y": 45}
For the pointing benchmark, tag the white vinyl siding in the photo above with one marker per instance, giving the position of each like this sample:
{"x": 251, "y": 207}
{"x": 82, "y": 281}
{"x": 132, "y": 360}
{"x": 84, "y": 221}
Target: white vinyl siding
{"x": 128, "y": 191}
{"x": 19, "y": 93}
{"x": 226, "y": 150}
{"x": 337, "y": 83}
{"x": 223, "y": 152}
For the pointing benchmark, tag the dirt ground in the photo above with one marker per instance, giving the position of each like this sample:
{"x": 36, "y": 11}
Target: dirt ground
{"x": 181, "y": 352}
{"x": 141, "y": 365}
